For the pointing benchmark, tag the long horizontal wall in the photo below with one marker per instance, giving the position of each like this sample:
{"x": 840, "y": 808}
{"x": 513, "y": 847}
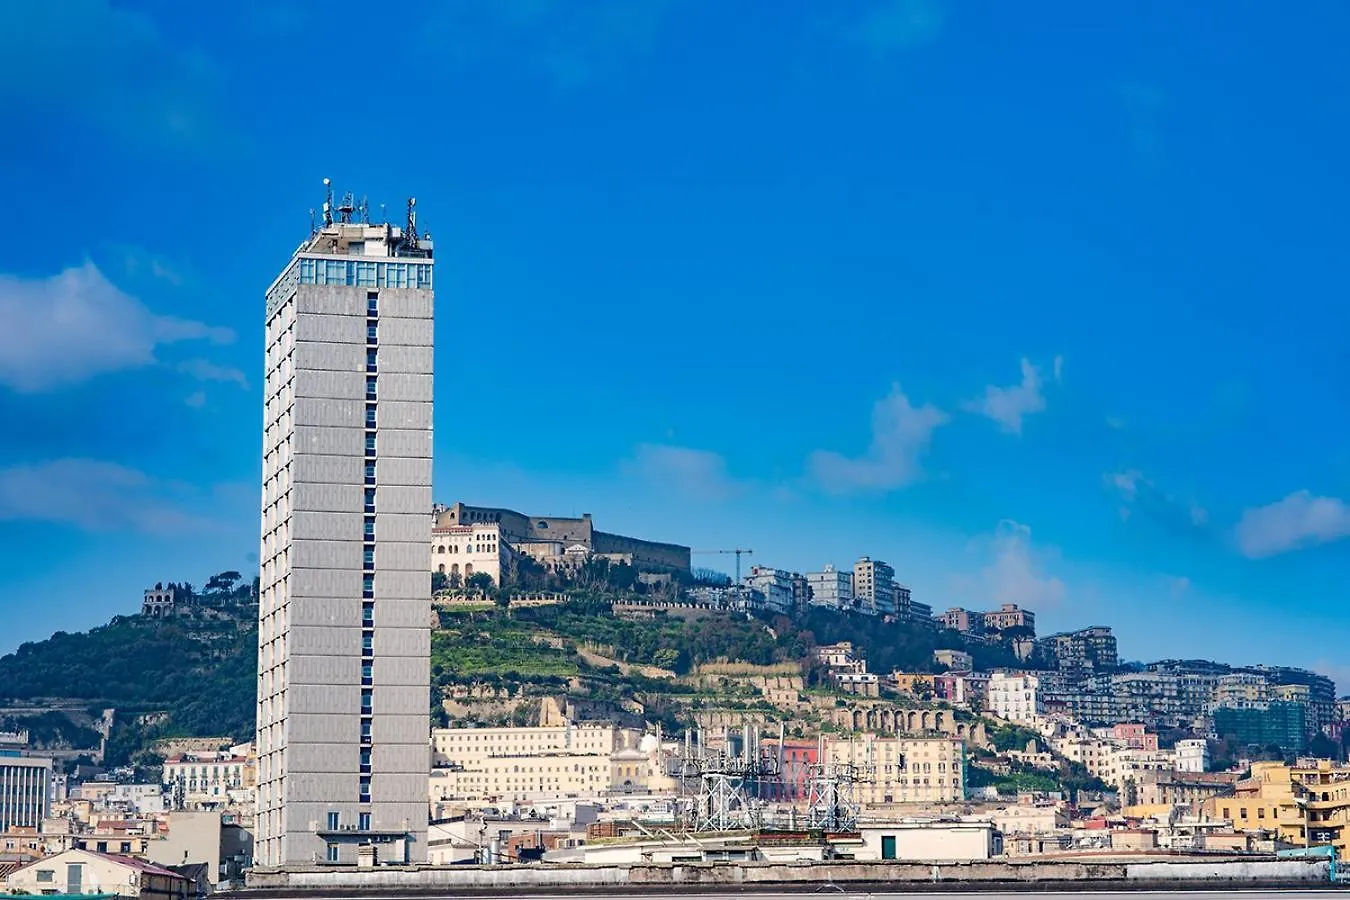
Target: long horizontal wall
{"x": 1082, "y": 876}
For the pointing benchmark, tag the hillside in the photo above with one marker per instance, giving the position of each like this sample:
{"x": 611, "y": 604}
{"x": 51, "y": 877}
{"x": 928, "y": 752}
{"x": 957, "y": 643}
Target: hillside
{"x": 194, "y": 674}
{"x": 187, "y": 675}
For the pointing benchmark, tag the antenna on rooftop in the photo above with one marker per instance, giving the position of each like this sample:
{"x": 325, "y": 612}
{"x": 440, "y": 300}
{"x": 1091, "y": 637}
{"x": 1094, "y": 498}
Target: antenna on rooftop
{"x": 328, "y": 203}
{"x": 312, "y": 229}
{"x": 411, "y": 236}
{"x": 347, "y": 208}
{"x": 364, "y": 209}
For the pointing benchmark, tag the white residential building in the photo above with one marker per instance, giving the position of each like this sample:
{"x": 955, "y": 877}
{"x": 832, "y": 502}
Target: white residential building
{"x": 1193, "y": 755}
{"x": 1015, "y": 697}
{"x": 831, "y": 588}
{"x": 874, "y": 587}
{"x": 774, "y": 586}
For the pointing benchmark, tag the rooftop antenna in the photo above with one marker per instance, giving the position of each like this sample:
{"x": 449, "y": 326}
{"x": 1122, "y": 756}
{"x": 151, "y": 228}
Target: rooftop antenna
{"x": 364, "y": 210}
{"x": 312, "y": 228}
{"x": 347, "y": 208}
{"x": 328, "y": 203}
{"x": 411, "y": 236}
{"x": 383, "y": 216}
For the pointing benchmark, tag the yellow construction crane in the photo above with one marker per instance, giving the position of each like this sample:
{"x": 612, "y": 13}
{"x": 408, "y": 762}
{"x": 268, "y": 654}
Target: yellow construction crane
{"x": 738, "y": 551}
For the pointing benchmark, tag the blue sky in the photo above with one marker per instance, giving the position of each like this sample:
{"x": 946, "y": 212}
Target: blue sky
{"x": 1041, "y": 308}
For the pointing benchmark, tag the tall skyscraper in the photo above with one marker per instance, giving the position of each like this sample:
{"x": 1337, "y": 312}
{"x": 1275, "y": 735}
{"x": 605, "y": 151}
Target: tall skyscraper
{"x": 344, "y": 633}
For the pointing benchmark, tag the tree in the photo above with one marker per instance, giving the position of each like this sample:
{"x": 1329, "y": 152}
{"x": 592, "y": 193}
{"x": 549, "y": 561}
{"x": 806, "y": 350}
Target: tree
{"x": 479, "y": 581}
{"x": 439, "y": 582}
{"x": 223, "y": 582}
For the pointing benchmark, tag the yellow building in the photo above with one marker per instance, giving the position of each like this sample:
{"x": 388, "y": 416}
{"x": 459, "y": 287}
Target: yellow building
{"x": 1310, "y": 800}
{"x": 903, "y": 770}
{"x": 472, "y": 746}
{"x": 918, "y": 684}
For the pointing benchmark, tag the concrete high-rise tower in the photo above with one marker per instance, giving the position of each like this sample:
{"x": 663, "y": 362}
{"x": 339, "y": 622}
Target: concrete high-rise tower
{"x": 344, "y": 616}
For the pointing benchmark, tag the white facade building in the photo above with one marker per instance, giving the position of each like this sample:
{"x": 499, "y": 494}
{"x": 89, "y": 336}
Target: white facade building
{"x": 25, "y": 786}
{"x": 774, "y": 585}
{"x": 832, "y": 588}
{"x": 1015, "y": 697}
{"x": 459, "y": 551}
{"x": 1192, "y": 755}
{"x": 874, "y": 587}
{"x": 344, "y": 616}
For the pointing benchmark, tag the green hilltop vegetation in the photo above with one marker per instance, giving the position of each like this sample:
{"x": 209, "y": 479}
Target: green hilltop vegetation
{"x": 193, "y": 674}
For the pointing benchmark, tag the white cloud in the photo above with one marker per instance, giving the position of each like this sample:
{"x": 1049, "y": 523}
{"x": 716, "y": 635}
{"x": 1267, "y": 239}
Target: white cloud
{"x": 196, "y": 399}
{"x": 1299, "y": 520}
{"x": 901, "y": 434}
{"x": 700, "y": 474}
{"x": 1017, "y": 574}
{"x": 205, "y": 370}
{"x": 93, "y": 495}
{"x": 70, "y": 327}
{"x": 1127, "y": 483}
{"x": 1059, "y": 369}
{"x": 1138, "y": 492}
{"x": 1009, "y": 405}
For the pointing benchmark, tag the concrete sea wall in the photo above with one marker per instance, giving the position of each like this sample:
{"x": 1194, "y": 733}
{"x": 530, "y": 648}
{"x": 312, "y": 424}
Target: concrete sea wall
{"x": 1037, "y": 875}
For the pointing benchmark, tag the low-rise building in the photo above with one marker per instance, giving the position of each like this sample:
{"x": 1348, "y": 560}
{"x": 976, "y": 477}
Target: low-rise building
{"x": 87, "y": 872}
{"x": 1134, "y": 735}
{"x": 954, "y": 660}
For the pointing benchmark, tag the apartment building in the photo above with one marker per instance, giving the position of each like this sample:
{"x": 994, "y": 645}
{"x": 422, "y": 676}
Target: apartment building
{"x": 774, "y": 586}
{"x": 1193, "y": 755}
{"x": 1307, "y": 804}
{"x": 1015, "y": 697}
{"x": 832, "y": 588}
{"x": 1009, "y": 615}
{"x": 874, "y": 587}
{"x": 209, "y": 780}
{"x": 955, "y": 660}
{"x": 1082, "y": 653}
{"x": 1278, "y": 724}
{"x": 965, "y": 621}
{"x": 902, "y": 770}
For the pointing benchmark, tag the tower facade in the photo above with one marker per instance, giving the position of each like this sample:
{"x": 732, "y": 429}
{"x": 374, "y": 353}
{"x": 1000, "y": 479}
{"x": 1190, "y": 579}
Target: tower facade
{"x": 344, "y": 634}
